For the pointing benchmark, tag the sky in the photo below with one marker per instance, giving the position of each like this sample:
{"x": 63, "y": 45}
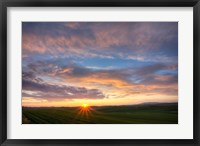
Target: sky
{"x": 99, "y": 63}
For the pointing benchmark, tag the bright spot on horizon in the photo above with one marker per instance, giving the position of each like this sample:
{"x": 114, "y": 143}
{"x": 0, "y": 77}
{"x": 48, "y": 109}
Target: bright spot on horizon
{"x": 85, "y": 105}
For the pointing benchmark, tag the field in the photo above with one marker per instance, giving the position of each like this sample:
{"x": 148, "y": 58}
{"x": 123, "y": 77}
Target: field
{"x": 148, "y": 113}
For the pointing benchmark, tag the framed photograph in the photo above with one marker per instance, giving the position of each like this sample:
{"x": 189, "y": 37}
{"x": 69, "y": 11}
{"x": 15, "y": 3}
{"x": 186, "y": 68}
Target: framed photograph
{"x": 99, "y": 72}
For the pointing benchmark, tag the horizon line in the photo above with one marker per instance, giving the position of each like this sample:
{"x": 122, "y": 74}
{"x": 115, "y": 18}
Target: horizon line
{"x": 101, "y": 105}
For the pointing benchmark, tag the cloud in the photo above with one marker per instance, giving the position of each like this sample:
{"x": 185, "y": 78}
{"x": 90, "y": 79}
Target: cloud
{"x": 41, "y": 89}
{"x": 72, "y": 25}
{"x": 148, "y": 74}
{"x": 99, "y": 60}
{"x": 97, "y": 84}
{"x": 102, "y": 39}
{"x": 129, "y": 80}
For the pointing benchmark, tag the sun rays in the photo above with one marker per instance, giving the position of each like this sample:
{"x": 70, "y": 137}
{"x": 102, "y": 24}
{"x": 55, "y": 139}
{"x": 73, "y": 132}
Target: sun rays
{"x": 84, "y": 112}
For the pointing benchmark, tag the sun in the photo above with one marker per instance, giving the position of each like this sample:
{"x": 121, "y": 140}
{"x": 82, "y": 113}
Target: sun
{"x": 84, "y": 105}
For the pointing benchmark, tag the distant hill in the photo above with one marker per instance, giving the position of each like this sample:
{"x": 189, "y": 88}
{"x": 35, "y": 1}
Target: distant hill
{"x": 156, "y": 103}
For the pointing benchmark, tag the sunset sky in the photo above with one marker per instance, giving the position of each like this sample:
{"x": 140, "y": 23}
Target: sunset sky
{"x": 99, "y": 63}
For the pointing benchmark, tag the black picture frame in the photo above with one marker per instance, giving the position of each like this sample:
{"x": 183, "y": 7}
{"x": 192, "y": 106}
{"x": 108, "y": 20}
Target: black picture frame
{"x": 4, "y": 4}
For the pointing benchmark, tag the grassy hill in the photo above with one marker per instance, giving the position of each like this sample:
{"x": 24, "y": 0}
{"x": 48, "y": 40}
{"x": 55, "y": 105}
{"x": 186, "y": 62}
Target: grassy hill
{"x": 147, "y": 113}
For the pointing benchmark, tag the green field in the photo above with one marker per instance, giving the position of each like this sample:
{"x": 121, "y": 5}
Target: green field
{"x": 149, "y": 113}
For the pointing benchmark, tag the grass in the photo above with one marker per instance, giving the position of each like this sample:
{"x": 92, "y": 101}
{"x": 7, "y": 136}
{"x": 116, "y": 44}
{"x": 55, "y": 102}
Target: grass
{"x": 157, "y": 113}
